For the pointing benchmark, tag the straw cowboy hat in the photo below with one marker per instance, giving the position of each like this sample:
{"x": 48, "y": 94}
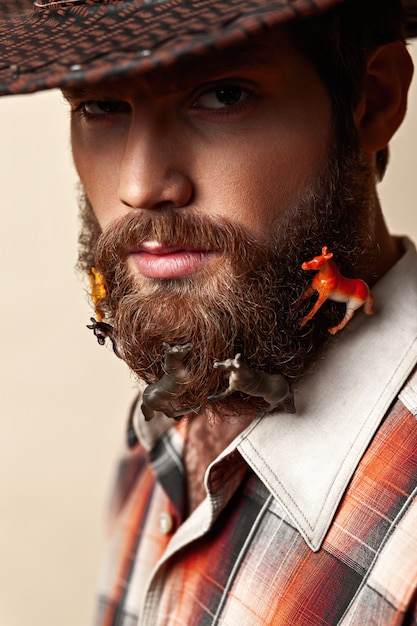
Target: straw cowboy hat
{"x": 60, "y": 43}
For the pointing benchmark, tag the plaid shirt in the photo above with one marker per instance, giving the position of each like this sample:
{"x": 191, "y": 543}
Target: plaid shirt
{"x": 308, "y": 519}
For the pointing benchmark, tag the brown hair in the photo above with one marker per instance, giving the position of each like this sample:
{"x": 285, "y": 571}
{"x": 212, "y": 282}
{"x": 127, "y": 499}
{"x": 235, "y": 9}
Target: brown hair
{"x": 339, "y": 43}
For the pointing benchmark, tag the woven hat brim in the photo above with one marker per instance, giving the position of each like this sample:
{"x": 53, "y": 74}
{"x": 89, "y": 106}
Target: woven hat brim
{"x": 77, "y": 44}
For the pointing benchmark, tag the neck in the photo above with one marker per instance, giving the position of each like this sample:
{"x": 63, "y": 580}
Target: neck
{"x": 390, "y": 249}
{"x": 205, "y": 439}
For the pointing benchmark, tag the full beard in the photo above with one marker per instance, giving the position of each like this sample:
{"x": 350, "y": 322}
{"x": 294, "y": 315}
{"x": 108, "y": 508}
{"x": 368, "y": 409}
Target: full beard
{"x": 243, "y": 301}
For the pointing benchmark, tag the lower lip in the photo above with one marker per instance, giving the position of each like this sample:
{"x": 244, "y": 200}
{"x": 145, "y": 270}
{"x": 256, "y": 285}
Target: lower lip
{"x": 170, "y": 264}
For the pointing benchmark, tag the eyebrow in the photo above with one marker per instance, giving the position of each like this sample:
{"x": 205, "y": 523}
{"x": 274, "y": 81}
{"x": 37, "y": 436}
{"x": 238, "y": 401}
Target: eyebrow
{"x": 200, "y": 68}
{"x": 182, "y": 74}
{"x": 258, "y": 54}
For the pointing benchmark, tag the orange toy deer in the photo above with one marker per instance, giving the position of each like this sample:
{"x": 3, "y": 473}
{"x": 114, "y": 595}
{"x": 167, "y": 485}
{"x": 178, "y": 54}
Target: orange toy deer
{"x": 331, "y": 285}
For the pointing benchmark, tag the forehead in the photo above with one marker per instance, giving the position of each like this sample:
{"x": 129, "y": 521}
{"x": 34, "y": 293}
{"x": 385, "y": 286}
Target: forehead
{"x": 273, "y": 50}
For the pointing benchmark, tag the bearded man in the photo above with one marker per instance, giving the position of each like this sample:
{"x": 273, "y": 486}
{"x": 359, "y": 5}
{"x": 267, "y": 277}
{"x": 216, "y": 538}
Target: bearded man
{"x": 224, "y": 151}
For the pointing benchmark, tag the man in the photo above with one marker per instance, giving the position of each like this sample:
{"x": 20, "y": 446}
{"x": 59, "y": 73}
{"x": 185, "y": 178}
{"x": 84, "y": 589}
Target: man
{"x": 220, "y": 147}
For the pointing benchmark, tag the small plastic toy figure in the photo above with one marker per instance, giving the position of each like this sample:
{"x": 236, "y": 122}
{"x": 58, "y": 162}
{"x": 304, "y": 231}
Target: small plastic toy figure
{"x": 102, "y": 330}
{"x": 331, "y": 285}
{"x": 161, "y": 396}
{"x": 273, "y": 388}
{"x": 98, "y": 291}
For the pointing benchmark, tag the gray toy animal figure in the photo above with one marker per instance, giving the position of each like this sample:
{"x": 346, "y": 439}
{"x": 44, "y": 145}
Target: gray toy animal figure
{"x": 102, "y": 330}
{"x": 273, "y": 388}
{"x": 160, "y": 396}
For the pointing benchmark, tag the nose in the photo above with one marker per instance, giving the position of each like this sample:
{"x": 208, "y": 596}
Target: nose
{"x": 153, "y": 172}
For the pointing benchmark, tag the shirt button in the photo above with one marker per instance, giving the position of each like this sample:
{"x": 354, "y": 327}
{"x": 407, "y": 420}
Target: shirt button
{"x": 166, "y": 523}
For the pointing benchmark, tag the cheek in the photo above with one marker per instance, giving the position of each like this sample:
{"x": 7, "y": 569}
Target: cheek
{"x": 97, "y": 170}
{"x": 258, "y": 186}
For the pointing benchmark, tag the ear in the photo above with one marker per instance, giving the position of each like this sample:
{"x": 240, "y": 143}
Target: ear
{"x": 384, "y": 100}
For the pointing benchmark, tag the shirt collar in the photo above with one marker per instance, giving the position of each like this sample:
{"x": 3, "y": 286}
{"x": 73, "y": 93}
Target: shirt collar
{"x": 306, "y": 460}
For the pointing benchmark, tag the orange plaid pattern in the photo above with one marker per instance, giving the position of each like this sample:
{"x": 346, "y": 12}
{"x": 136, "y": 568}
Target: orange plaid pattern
{"x": 247, "y": 564}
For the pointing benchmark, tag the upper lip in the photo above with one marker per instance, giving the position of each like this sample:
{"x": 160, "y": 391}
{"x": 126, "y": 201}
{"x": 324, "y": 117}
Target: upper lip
{"x": 153, "y": 247}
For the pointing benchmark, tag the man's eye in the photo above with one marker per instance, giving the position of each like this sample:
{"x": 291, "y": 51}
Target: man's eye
{"x": 222, "y": 97}
{"x": 104, "y": 107}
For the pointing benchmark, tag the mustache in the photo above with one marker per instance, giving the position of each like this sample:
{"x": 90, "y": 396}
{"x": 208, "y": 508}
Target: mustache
{"x": 181, "y": 228}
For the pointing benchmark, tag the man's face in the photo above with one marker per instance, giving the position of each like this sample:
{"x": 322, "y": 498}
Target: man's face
{"x": 238, "y": 135}
{"x": 212, "y": 185}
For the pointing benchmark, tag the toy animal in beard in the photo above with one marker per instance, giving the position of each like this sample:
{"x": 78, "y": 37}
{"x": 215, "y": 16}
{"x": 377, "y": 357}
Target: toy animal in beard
{"x": 273, "y": 388}
{"x": 102, "y": 331}
{"x": 160, "y": 396}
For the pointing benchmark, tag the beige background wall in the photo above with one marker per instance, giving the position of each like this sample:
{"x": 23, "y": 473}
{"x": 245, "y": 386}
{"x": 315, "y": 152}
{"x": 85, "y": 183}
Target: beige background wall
{"x": 63, "y": 399}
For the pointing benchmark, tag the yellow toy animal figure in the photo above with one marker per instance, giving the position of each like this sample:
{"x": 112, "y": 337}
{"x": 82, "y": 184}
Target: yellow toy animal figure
{"x": 98, "y": 291}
